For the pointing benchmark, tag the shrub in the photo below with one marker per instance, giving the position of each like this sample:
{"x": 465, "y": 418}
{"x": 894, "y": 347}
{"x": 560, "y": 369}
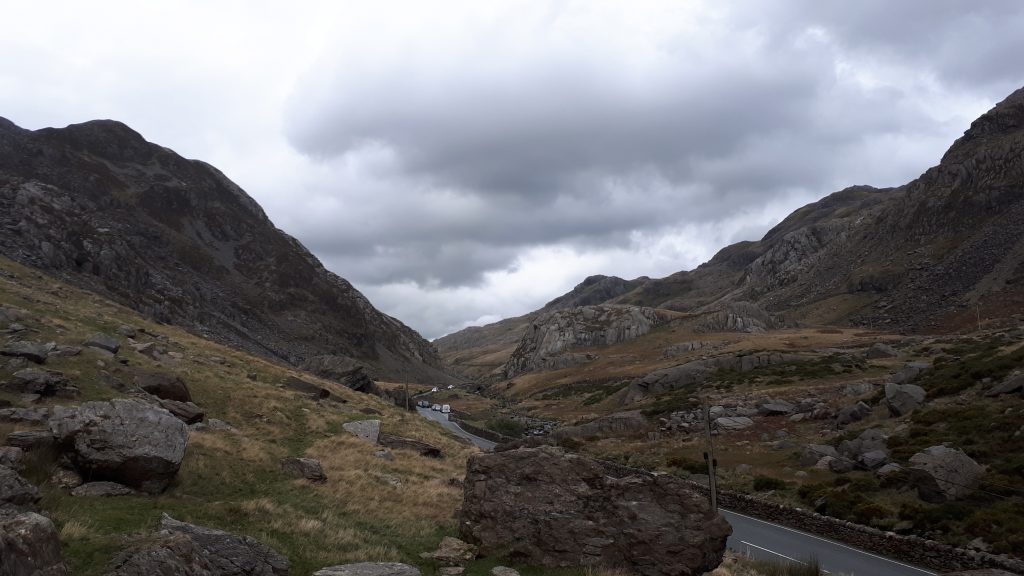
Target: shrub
{"x": 767, "y": 483}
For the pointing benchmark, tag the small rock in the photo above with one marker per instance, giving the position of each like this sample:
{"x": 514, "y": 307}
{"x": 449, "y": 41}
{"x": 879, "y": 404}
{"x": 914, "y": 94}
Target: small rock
{"x": 102, "y": 489}
{"x": 840, "y": 465}
{"x": 187, "y": 412}
{"x": 127, "y": 331}
{"x": 384, "y": 454}
{"x": 742, "y": 469}
{"x": 307, "y": 468}
{"x": 733, "y": 423}
{"x": 11, "y": 457}
{"x": 451, "y": 571}
{"x": 65, "y": 478}
{"x": 103, "y": 342}
{"x": 888, "y": 470}
{"x": 1012, "y": 384}
{"x": 880, "y": 350}
{"x": 452, "y": 551}
{"x": 503, "y": 571}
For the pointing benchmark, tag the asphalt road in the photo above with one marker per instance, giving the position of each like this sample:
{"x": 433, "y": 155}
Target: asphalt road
{"x": 766, "y": 541}
{"x": 484, "y": 444}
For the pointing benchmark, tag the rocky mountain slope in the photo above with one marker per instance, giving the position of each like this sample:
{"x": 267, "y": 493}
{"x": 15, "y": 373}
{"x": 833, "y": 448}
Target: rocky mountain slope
{"x": 97, "y": 205}
{"x": 936, "y": 255}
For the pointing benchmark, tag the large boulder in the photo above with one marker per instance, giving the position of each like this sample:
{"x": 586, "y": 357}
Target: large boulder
{"x": 942, "y": 473}
{"x": 15, "y": 491}
{"x": 545, "y": 507}
{"x": 29, "y": 545}
{"x": 369, "y": 569}
{"x": 903, "y": 399}
{"x": 179, "y": 548}
{"x": 123, "y": 441}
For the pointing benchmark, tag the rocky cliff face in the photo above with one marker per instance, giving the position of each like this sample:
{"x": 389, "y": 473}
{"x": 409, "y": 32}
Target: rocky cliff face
{"x": 555, "y": 332}
{"x": 99, "y": 206}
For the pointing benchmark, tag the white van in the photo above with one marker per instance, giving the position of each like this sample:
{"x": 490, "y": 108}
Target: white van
{"x": 436, "y": 407}
{"x": 447, "y": 408}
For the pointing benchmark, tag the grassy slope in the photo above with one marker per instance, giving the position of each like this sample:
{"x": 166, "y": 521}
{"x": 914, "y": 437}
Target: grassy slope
{"x": 231, "y": 480}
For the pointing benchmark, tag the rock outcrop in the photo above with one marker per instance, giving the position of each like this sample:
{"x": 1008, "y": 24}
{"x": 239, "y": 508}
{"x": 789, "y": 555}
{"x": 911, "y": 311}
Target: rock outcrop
{"x": 555, "y": 332}
{"x": 696, "y": 371}
{"x": 545, "y": 507}
{"x": 182, "y": 548}
{"x": 369, "y": 569}
{"x": 123, "y": 441}
{"x": 97, "y": 205}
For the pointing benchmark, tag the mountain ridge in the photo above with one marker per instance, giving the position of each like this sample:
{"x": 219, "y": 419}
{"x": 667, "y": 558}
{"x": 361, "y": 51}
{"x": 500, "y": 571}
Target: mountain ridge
{"x": 922, "y": 257}
{"x": 96, "y": 204}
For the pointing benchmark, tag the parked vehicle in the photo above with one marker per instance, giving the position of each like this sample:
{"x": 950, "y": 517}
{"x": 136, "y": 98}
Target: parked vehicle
{"x": 447, "y": 408}
{"x": 436, "y": 407}
{"x": 423, "y": 404}
{"x": 434, "y": 389}
{"x": 451, "y": 386}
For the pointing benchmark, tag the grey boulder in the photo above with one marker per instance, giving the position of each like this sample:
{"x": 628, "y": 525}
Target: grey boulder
{"x": 164, "y": 386}
{"x": 733, "y": 423}
{"x": 36, "y": 381}
{"x": 11, "y": 456}
{"x": 31, "y": 351}
{"x": 880, "y": 350}
{"x": 1013, "y": 383}
{"x": 102, "y": 489}
{"x": 369, "y": 569}
{"x": 29, "y": 545}
{"x": 103, "y": 342}
{"x": 124, "y": 441}
{"x": 942, "y": 473}
{"x": 366, "y": 429}
{"x": 902, "y": 399}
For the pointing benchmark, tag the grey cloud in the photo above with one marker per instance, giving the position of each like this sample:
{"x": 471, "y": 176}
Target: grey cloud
{"x": 506, "y": 149}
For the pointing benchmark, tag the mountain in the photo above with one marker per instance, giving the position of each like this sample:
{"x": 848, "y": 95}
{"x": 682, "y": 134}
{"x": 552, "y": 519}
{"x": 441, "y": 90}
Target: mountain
{"x": 97, "y": 205}
{"x": 480, "y": 352}
{"x": 936, "y": 255}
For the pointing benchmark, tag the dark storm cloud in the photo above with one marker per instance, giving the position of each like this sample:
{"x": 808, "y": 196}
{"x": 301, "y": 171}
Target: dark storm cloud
{"x": 546, "y": 139}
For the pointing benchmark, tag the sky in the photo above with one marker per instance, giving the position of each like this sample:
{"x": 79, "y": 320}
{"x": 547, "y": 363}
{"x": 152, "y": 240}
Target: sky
{"x": 462, "y": 162}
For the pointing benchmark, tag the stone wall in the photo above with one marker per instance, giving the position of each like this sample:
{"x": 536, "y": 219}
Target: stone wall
{"x": 481, "y": 432}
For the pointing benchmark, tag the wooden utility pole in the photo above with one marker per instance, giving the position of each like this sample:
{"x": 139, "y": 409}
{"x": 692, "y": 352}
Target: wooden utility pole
{"x": 709, "y": 457}
{"x": 407, "y": 396}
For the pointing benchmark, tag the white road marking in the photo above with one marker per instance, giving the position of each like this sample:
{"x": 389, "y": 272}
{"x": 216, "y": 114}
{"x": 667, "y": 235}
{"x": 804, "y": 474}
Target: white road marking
{"x": 831, "y": 542}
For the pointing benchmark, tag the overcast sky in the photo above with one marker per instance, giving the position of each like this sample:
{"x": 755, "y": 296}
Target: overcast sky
{"x": 464, "y": 162}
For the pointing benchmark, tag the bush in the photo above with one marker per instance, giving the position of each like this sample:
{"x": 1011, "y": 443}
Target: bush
{"x": 506, "y": 427}
{"x": 767, "y": 483}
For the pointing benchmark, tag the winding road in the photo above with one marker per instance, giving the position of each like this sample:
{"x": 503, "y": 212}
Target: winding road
{"x": 442, "y": 419}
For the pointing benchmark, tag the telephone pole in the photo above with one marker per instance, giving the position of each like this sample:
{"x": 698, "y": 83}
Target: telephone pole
{"x": 709, "y": 457}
